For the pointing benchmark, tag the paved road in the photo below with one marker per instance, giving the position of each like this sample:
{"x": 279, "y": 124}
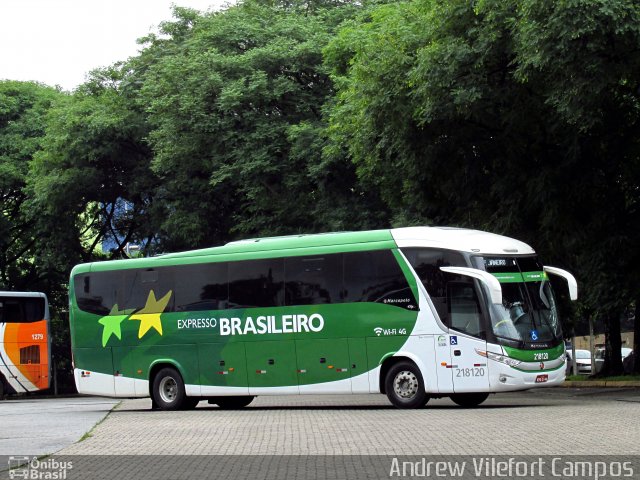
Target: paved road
{"x": 560, "y": 421}
{"x": 38, "y": 426}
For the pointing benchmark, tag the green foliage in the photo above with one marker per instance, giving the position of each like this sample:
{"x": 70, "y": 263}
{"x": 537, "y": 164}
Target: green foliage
{"x": 23, "y": 110}
{"x": 586, "y": 52}
{"x": 93, "y": 159}
{"x": 520, "y": 117}
{"x": 235, "y": 100}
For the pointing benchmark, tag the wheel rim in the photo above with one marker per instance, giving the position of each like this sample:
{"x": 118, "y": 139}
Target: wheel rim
{"x": 405, "y": 384}
{"x": 168, "y": 389}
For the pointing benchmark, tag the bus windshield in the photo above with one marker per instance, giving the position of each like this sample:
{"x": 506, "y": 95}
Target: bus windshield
{"x": 528, "y": 312}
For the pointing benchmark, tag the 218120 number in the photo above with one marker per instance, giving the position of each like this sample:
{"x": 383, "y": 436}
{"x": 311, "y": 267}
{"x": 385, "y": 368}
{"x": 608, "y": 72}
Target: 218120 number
{"x": 470, "y": 372}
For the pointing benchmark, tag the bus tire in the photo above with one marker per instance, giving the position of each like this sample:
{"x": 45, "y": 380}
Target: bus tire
{"x": 233, "y": 403}
{"x": 469, "y": 400}
{"x": 168, "y": 390}
{"x": 1, "y": 389}
{"x": 405, "y": 387}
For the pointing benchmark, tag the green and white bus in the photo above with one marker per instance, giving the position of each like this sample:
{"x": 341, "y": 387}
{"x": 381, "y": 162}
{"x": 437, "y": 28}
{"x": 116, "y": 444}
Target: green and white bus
{"x": 414, "y": 313}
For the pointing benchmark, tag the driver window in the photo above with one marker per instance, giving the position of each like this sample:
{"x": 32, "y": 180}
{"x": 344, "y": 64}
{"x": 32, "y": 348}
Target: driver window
{"x": 464, "y": 309}
{"x": 453, "y": 296}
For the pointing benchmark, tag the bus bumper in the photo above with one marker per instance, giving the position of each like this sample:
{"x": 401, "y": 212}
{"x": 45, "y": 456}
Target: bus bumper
{"x": 506, "y": 379}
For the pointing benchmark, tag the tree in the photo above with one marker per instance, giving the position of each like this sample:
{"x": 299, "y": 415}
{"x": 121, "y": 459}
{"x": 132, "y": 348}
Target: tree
{"x": 519, "y": 117}
{"x": 91, "y": 181}
{"x": 24, "y": 107}
{"x": 23, "y": 110}
{"x": 235, "y": 99}
{"x": 585, "y": 57}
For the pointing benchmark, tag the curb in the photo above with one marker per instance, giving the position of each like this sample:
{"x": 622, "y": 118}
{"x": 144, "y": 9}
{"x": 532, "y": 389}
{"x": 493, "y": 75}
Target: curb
{"x": 599, "y": 384}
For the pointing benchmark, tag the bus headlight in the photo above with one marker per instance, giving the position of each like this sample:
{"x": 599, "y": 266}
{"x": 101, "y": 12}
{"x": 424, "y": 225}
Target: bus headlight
{"x": 512, "y": 362}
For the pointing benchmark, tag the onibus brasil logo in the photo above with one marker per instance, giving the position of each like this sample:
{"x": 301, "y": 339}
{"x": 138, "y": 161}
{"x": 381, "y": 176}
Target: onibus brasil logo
{"x": 38, "y": 469}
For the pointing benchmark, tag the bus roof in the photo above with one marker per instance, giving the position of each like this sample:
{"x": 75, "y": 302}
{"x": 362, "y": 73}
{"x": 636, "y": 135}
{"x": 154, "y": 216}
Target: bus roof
{"x": 5, "y": 293}
{"x": 291, "y": 242}
{"x": 467, "y": 240}
{"x": 460, "y": 239}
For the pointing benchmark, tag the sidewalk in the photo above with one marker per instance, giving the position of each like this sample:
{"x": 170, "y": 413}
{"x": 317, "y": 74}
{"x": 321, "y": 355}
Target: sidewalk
{"x": 600, "y": 384}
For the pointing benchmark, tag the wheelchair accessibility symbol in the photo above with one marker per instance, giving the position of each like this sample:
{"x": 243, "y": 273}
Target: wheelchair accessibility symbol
{"x": 453, "y": 340}
{"x": 534, "y": 335}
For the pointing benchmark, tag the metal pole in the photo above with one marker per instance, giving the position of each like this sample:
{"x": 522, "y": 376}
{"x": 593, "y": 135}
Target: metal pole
{"x": 55, "y": 379}
{"x": 574, "y": 365}
{"x": 591, "y": 346}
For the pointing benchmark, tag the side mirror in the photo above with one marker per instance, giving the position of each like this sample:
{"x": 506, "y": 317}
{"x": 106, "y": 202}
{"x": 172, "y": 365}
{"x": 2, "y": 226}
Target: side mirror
{"x": 571, "y": 280}
{"x": 491, "y": 282}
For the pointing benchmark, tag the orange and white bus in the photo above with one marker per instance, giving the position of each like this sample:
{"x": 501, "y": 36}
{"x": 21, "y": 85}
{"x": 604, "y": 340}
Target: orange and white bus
{"x": 25, "y": 346}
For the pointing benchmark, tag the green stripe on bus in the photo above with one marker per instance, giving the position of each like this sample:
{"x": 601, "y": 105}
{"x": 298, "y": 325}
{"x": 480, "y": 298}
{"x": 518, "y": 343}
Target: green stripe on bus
{"x": 530, "y": 355}
{"x": 517, "y": 277}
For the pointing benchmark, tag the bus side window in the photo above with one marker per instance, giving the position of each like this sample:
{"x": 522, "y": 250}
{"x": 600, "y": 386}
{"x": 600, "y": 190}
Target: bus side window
{"x": 21, "y": 310}
{"x": 375, "y": 276}
{"x": 202, "y": 287}
{"x": 256, "y": 283}
{"x": 33, "y": 309}
{"x": 427, "y": 262}
{"x": 97, "y": 292}
{"x": 137, "y": 284}
{"x": 13, "y": 311}
{"x": 313, "y": 280}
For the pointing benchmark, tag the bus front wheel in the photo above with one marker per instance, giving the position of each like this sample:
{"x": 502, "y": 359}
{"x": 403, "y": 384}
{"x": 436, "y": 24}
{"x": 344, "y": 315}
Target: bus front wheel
{"x": 469, "y": 400}
{"x": 168, "y": 390}
{"x": 405, "y": 387}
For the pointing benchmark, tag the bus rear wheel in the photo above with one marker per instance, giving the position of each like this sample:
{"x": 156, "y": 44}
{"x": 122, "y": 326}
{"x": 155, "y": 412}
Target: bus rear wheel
{"x": 232, "y": 403}
{"x": 405, "y": 387}
{"x": 469, "y": 400}
{"x": 168, "y": 390}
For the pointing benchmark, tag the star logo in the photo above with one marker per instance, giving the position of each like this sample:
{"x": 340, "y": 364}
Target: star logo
{"x": 149, "y": 316}
{"x": 111, "y": 324}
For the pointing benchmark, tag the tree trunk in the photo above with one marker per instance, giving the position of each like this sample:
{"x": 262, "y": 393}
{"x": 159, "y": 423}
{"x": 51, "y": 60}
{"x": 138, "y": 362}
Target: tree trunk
{"x": 613, "y": 344}
{"x": 636, "y": 338}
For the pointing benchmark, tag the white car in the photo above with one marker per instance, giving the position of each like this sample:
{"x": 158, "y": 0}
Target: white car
{"x": 583, "y": 362}
{"x": 624, "y": 351}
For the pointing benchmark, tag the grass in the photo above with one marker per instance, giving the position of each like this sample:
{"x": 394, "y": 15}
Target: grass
{"x": 89, "y": 434}
{"x": 618, "y": 378}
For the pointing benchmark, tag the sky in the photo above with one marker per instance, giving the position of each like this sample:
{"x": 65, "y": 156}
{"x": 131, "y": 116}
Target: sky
{"x": 57, "y": 42}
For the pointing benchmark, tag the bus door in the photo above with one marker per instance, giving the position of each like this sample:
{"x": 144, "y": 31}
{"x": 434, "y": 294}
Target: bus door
{"x": 444, "y": 364}
{"x": 467, "y": 337}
